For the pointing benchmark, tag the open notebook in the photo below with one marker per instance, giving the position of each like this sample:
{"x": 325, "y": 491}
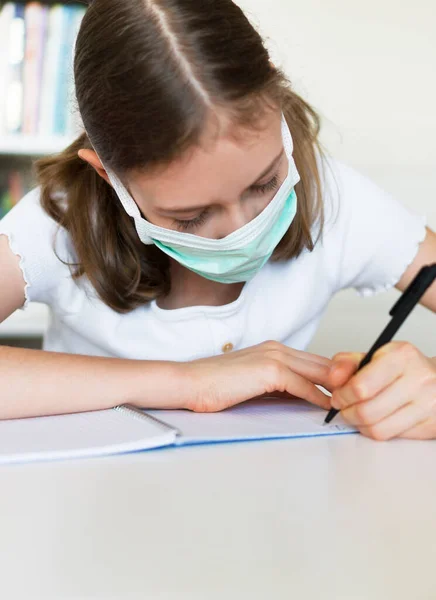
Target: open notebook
{"x": 125, "y": 429}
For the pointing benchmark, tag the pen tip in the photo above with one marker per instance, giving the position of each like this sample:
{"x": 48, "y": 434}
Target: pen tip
{"x": 331, "y": 415}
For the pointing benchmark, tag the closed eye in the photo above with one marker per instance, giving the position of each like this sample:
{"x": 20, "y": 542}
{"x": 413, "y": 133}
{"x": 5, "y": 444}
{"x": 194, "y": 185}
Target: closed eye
{"x": 272, "y": 184}
{"x": 186, "y": 225}
{"x": 189, "y": 224}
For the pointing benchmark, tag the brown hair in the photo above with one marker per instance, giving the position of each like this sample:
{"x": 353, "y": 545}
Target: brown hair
{"x": 149, "y": 74}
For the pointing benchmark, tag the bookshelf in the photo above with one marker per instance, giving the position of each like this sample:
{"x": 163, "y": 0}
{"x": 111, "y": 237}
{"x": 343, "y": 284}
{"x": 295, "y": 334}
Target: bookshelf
{"x": 36, "y": 110}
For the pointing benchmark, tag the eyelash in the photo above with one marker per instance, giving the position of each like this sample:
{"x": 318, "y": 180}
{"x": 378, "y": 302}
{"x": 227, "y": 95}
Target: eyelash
{"x": 192, "y": 223}
{"x": 186, "y": 225}
{"x": 266, "y": 187}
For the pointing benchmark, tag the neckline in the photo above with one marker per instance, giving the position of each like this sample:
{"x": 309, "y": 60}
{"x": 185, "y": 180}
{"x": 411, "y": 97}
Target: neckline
{"x": 189, "y": 312}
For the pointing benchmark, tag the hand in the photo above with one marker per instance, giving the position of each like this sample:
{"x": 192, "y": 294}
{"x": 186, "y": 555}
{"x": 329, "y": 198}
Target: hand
{"x": 216, "y": 383}
{"x": 393, "y": 396}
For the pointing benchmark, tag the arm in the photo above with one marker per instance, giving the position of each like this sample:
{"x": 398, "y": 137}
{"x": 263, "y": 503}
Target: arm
{"x": 426, "y": 256}
{"x": 41, "y": 383}
{"x": 35, "y": 383}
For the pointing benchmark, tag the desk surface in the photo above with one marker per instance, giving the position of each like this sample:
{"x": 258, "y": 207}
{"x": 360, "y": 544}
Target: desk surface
{"x": 338, "y": 518}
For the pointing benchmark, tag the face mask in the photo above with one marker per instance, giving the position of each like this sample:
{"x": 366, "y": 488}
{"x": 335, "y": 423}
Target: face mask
{"x": 238, "y": 256}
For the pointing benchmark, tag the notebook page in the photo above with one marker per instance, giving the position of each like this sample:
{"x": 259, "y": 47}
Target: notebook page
{"x": 256, "y": 419}
{"x": 79, "y": 435}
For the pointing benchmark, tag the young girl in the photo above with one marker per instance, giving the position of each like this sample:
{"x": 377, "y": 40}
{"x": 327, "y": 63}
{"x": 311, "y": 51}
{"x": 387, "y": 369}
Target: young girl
{"x": 194, "y": 221}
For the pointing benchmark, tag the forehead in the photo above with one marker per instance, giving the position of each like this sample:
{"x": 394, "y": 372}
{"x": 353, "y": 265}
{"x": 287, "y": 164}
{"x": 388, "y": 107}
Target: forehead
{"x": 223, "y": 164}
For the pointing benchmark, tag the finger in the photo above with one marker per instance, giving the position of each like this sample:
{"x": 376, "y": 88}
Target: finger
{"x": 395, "y": 425}
{"x": 423, "y": 431}
{"x": 380, "y": 373}
{"x": 315, "y": 372}
{"x": 387, "y": 365}
{"x": 343, "y": 369}
{"x": 291, "y": 352}
{"x": 355, "y": 357}
{"x": 322, "y": 360}
{"x": 298, "y": 386}
{"x": 373, "y": 411}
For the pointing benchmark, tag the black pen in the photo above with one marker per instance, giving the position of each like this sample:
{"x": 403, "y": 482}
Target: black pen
{"x": 399, "y": 313}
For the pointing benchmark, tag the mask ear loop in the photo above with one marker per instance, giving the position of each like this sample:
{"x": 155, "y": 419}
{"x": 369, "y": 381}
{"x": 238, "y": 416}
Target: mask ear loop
{"x": 288, "y": 144}
{"x": 128, "y": 204}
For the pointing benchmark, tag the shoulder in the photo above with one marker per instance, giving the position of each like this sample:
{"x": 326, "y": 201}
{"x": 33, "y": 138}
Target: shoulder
{"x": 346, "y": 191}
{"x": 45, "y": 248}
{"x": 26, "y": 211}
{"x": 369, "y": 237}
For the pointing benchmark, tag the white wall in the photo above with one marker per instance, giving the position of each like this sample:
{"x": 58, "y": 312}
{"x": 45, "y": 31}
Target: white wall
{"x": 369, "y": 68}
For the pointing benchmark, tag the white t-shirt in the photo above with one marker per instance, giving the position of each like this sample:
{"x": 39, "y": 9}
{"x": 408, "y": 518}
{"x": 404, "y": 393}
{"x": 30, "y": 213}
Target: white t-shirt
{"x": 368, "y": 242}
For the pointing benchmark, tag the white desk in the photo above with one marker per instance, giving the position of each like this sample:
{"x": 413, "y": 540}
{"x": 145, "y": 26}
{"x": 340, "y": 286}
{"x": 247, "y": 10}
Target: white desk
{"x": 332, "y": 519}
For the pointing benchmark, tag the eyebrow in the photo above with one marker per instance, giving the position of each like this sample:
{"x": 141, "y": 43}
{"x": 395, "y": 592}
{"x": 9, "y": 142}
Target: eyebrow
{"x": 200, "y": 207}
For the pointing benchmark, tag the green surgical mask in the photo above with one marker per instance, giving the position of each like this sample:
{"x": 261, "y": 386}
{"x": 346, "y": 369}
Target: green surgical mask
{"x": 238, "y": 256}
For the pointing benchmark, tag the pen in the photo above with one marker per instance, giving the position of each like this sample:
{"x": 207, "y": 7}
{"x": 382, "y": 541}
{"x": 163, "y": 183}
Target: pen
{"x": 399, "y": 313}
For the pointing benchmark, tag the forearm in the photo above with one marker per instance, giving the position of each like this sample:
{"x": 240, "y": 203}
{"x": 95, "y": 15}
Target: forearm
{"x": 35, "y": 383}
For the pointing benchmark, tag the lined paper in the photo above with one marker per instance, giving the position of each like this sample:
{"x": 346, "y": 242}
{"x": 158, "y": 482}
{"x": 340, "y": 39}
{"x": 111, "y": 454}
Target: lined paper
{"x": 256, "y": 419}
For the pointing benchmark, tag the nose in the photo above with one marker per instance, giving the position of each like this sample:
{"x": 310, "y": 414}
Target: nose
{"x": 233, "y": 219}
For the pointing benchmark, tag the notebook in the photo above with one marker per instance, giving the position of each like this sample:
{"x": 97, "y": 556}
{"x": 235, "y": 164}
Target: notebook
{"x": 128, "y": 429}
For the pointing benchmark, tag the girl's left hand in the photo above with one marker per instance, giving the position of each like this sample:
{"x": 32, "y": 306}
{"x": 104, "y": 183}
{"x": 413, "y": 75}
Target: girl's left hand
{"x": 393, "y": 396}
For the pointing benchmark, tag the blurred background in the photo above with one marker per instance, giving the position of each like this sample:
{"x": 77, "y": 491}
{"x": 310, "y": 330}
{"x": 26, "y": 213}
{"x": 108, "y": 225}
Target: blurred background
{"x": 37, "y": 115}
{"x": 367, "y": 67}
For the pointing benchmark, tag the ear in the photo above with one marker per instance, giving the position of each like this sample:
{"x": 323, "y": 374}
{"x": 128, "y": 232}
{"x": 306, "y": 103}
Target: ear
{"x": 92, "y": 159}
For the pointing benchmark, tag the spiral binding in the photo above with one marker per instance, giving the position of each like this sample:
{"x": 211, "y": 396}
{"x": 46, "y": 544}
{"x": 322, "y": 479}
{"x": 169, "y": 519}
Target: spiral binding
{"x": 138, "y": 414}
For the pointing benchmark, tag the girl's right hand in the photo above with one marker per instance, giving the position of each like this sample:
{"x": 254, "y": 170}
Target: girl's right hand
{"x": 222, "y": 381}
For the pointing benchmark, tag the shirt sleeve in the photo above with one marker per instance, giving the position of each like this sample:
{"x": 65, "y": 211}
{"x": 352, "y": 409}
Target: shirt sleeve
{"x": 41, "y": 245}
{"x": 371, "y": 238}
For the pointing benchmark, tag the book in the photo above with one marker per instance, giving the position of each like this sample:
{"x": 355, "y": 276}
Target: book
{"x": 13, "y": 88}
{"x": 35, "y": 16}
{"x": 36, "y": 59}
{"x": 127, "y": 429}
{"x": 46, "y": 122}
{"x": 73, "y": 122}
{"x": 6, "y": 15}
{"x": 13, "y": 186}
{"x": 63, "y": 69}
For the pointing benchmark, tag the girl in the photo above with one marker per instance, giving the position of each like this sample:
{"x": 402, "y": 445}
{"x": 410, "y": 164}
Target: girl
{"x": 194, "y": 220}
